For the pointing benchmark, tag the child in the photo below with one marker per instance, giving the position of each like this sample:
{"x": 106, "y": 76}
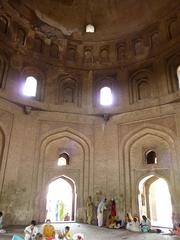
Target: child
{"x": 39, "y": 236}
{"x": 78, "y": 236}
{"x": 66, "y": 235}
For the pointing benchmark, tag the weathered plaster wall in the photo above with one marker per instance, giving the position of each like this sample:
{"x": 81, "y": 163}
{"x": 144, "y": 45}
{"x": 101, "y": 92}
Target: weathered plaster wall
{"x": 105, "y": 157}
{"x": 106, "y": 145}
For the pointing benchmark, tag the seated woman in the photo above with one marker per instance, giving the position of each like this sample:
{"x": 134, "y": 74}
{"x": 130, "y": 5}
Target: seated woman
{"x": 119, "y": 223}
{"x": 67, "y": 217}
{"x": 145, "y": 224}
{"x": 129, "y": 224}
{"x": 48, "y": 230}
{"x": 135, "y": 227}
{"x": 111, "y": 223}
{"x": 128, "y": 219}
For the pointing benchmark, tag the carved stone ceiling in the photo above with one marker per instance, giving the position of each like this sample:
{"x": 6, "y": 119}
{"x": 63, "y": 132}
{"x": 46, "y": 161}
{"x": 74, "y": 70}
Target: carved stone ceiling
{"x": 110, "y": 17}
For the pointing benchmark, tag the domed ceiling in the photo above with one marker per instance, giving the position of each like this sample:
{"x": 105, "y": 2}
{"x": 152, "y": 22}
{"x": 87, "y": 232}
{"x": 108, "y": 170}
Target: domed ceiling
{"x": 111, "y": 18}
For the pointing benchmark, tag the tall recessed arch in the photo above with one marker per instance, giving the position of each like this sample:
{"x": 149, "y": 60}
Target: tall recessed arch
{"x": 2, "y": 145}
{"x": 4, "y": 65}
{"x": 141, "y": 86}
{"x": 101, "y": 81}
{"x": 69, "y": 91}
{"x": 134, "y": 173}
{"x": 172, "y": 68}
{"x": 86, "y": 170}
{"x": 3, "y": 154}
{"x": 178, "y": 75}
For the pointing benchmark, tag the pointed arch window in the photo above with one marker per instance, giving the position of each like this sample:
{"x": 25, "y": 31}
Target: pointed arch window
{"x": 30, "y": 87}
{"x": 151, "y": 157}
{"x": 90, "y": 28}
{"x": 178, "y": 76}
{"x": 63, "y": 159}
{"x": 105, "y": 96}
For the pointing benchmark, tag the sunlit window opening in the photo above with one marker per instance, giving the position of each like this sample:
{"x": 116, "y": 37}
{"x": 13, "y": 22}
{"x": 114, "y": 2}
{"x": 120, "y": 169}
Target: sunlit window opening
{"x": 178, "y": 76}
{"x": 63, "y": 159}
{"x": 59, "y": 201}
{"x": 30, "y": 87}
{"x": 90, "y": 28}
{"x": 105, "y": 96}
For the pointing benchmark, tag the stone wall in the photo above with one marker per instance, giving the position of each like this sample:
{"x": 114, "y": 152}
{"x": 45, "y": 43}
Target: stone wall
{"x": 106, "y": 158}
{"x": 107, "y": 146}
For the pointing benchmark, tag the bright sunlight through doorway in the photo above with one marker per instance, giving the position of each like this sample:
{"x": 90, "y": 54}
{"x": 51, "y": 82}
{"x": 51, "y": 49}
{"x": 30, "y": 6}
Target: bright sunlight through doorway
{"x": 60, "y": 200}
{"x": 155, "y": 201}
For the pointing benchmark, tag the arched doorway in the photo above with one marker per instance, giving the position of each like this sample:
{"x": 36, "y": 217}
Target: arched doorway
{"x": 155, "y": 201}
{"x": 61, "y": 200}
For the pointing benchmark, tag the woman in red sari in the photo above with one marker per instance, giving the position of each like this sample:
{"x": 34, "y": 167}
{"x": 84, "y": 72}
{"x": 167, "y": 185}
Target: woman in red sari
{"x": 113, "y": 209}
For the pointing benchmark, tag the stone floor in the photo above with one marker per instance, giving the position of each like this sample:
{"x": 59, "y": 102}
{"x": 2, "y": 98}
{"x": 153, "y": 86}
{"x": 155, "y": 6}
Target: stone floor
{"x": 95, "y": 233}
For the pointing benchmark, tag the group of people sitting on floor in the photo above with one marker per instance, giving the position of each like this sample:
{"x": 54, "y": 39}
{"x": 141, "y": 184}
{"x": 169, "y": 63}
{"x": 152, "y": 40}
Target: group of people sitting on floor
{"x": 134, "y": 225}
{"x": 49, "y": 233}
{"x": 131, "y": 223}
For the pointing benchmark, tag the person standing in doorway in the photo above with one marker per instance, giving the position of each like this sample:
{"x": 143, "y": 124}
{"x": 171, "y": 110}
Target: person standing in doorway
{"x": 61, "y": 211}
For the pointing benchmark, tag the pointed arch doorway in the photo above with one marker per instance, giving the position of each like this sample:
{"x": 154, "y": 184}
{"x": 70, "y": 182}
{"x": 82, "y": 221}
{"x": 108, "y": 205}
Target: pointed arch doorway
{"x": 61, "y": 200}
{"x": 155, "y": 201}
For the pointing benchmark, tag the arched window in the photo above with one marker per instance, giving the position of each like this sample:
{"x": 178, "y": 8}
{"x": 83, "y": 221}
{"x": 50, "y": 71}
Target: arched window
{"x": 63, "y": 159}
{"x": 178, "y": 75}
{"x": 105, "y": 96}
{"x": 30, "y": 87}
{"x": 151, "y": 157}
{"x": 90, "y": 28}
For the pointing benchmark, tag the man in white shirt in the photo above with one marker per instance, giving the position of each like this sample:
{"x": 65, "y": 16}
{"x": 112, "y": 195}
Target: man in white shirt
{"x": 1, "y": 220}
{"x": 145, "y": 224}
{"x": 31, "y": 231}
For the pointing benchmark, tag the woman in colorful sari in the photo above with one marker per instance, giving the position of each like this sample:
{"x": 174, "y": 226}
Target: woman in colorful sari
{"x": 48, "y": 230}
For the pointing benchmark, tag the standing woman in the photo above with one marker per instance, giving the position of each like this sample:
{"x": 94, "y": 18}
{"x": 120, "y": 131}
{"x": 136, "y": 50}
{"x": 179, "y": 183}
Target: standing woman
{"x": 113, "y": 209}
{"x": 100, "y": 210}
{"x": 89, "y": 210}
